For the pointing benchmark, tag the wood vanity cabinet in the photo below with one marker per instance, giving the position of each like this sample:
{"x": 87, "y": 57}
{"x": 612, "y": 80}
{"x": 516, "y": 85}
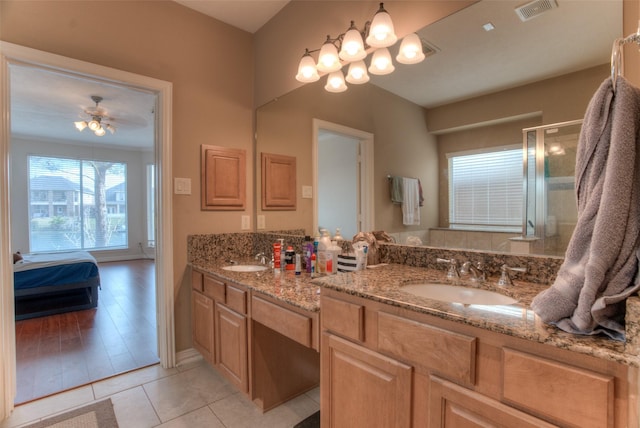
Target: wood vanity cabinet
{"x": 385, "y": 363}
{"x": 231, "y": 337}
{"x": 219, "y": 318}
{"x": 265, "y": 347}
{"x": 201, "y": 317}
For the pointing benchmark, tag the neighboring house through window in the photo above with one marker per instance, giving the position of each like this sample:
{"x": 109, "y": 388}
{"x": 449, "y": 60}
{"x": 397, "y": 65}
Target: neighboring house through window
{"x": 76, "y": 204}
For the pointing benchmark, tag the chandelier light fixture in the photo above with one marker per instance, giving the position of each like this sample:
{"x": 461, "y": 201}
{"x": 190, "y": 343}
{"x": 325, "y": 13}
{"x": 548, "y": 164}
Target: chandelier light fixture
{"x": 97, "y": 122}
{"x": 352, "y": 46}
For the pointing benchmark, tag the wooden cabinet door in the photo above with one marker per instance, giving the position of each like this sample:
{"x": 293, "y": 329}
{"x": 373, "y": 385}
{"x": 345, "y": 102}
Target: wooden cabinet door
{"x": 452, "y": 406}
{"x": 231, "y": 346}
{"x": 361, "y": 388}
{"x": 223, "y": 183}
{"x": 278, "y": 182}
{"x": 202, "y": 328}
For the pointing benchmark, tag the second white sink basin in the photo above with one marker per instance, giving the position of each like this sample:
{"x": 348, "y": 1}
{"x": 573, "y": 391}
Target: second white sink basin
{"x": 458, "y": 294}
{"x": 245, "y": 268}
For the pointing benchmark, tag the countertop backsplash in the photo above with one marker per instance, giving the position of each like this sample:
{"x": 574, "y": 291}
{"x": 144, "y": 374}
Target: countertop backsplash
{"x": 217, "y": 246}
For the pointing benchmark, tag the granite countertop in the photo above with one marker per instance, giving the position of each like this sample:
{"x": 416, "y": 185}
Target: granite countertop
{"x": 296, "y": 290}
{"x": 383, "y": 284}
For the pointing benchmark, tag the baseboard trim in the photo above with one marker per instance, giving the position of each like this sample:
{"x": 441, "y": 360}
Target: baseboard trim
{"x": 187, "y": 356}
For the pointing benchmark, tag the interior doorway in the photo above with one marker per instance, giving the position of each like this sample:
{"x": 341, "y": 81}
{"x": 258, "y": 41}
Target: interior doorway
{"x": 14, "y": 55}
{"x": 343, "y": 178}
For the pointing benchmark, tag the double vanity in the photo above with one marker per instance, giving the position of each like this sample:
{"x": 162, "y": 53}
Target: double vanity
{"x": 386, "y": 354}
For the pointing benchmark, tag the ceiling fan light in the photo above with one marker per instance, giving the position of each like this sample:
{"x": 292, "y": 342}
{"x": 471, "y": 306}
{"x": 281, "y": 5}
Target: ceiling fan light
{"x": 357, "y": 73}
{"x": 352, "y": 48}
{"x": 328, "y": 59}
{"x": 381, "y": 62}
{"x": 111, "y": 128}
{"x": 80, "y": 125}
{"x": 307, "y": 71}
{"x": 100, "y": 131}
{"x": 335, "y": 82}
{"x": 410, "y": 50}
{"x": 381, "y": 32}
{"x": 94, "y": 124}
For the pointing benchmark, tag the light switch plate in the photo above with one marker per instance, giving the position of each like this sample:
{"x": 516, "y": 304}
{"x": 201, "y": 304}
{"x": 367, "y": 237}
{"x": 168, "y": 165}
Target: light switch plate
{"x": 182, "y": 186}
{"x": 307, "y": 192}
{"x": 246, "y": 222}
{"x": 261, "y": 221}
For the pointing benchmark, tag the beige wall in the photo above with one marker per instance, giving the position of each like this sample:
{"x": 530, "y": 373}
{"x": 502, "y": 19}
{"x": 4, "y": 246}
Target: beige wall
{"x": 550, "y": 101}
{"x": 209, "y": 64}
{"x": 402, "y": 146}
{"x": 280, "y": 43}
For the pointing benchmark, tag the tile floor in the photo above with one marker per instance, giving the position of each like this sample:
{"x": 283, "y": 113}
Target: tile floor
{"x": 190, "y": 396}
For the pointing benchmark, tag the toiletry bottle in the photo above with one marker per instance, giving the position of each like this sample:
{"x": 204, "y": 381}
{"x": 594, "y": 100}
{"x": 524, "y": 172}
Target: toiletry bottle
{"x": 307, "y": 250}
{"x": 282, "y": 255}
{"x": 335, "y": 250}
{"x": 277, "y": 249}
{"x": 313, "y": 264}
{"x": 298, "y": 264}
{"x": 324, "y": 255}
{"x": 290, "y": 258}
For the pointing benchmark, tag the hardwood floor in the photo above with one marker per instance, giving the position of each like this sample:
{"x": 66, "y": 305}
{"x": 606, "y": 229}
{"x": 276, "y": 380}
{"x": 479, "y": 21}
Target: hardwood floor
{"x": 59, "y": 352}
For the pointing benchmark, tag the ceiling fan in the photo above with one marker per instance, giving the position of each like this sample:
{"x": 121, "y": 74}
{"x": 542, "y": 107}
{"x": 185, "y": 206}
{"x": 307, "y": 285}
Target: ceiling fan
{"x": 97, "y": 123}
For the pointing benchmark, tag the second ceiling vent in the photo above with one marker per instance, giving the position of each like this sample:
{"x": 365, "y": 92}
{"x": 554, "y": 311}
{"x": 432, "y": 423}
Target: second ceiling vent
{"x": 535, "y": 8}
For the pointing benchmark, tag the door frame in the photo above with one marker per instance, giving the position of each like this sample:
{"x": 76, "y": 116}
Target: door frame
{"x": 366, "y": 220}
{"x": 16, "y": 54}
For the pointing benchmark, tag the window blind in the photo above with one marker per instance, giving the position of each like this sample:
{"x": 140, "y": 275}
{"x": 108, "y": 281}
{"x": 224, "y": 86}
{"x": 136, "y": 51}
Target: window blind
{"x": 485, "y": 190}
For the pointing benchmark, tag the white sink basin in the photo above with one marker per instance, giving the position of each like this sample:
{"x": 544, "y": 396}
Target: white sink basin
{"x": 245, "y": 268}
{"x": 458, "y": 294}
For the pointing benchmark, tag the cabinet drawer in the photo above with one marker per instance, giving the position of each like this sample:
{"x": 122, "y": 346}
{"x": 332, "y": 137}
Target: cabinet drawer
{"x": 214, "y": 289}
{"x": 575, "y": 397}
{"x": 196, "y": 280}
{"x": 237, "y": 299}
{"x": 450, "y": 354}
{"x": 344, "y": 318}
{"x": 288, "y": 323}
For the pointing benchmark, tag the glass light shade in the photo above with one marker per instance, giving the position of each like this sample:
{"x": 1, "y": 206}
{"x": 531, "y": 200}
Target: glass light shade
{"x": 352, "y": 45}
{"x": 381, "y": 62}
{"x": 111, "y": 128}
{"x": 328, "y": 60}
{"x": 357, "y": 73}
{"x": 80, "y": 125}
{"x": 100, "y": 131}
{"x": 335, "y": 82}
{"x": 410, "y": 50}
{"x": 94, "y": 124}
{"x": 381, "y": 32}
{"x": 307, "y": 71}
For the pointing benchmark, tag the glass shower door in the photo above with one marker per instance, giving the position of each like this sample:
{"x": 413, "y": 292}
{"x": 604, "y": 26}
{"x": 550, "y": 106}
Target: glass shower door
{"x": 551, "y": 209}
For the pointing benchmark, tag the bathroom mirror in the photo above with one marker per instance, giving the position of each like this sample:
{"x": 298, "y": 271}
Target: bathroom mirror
{"x": 413, "y": 140}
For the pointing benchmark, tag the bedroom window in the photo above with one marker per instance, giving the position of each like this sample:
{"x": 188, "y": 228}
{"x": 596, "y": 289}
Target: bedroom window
{"x": 76, "y": 204}
{"x": 151, "y": 204}
{"x": 486, "y": 189}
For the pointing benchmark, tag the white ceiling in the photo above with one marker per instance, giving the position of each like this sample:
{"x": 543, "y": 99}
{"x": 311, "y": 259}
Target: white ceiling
{"x": 469, "y": 62}
{"x": 248, "y": 15}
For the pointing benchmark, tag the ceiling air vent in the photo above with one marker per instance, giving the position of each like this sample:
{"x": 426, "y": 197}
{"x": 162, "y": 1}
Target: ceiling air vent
{"x": 428, "y": 48}
{"x": 535, "y": 8}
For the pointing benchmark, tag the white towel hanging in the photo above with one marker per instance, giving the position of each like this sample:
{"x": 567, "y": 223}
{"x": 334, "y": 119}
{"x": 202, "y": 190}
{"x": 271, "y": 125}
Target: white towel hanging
{"x": 410, "y": 202}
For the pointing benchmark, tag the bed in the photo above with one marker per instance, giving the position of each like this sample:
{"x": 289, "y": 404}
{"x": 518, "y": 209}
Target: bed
{"x": 47, "y": 284}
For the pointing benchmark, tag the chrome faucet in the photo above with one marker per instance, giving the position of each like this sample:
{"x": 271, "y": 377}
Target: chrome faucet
{"x": 505, "y": 278}
{"x": 262, "y": 257}
{"x": 477, "y": 271}
{"x": 452, "y": 273}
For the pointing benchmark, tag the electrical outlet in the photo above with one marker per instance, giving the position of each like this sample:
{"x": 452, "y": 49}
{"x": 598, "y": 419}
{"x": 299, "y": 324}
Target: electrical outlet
{"x": 246, "y": 222}
{"x": 307, "y": 192}
{"x": 261, "y": 222}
